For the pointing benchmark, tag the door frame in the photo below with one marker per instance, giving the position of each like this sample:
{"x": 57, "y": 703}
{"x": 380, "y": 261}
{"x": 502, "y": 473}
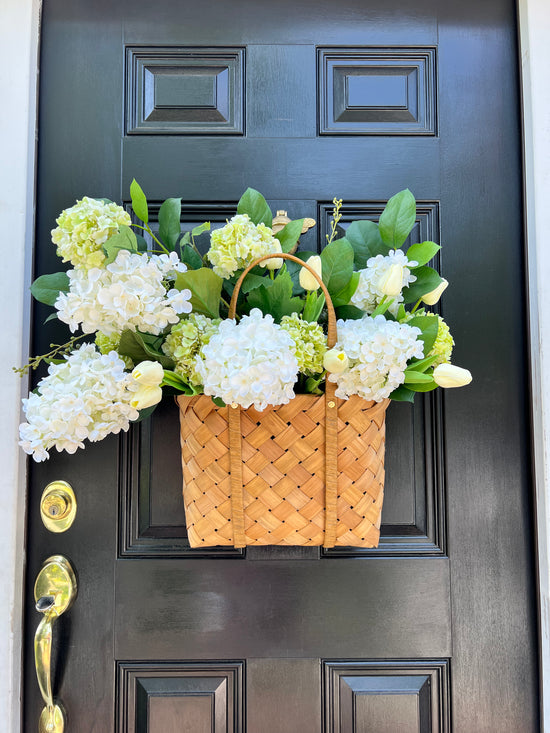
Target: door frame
{"x": 19, "y": 49}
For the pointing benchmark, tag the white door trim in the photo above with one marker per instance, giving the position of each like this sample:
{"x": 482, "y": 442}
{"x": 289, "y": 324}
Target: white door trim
{"x": 19, "y": 36}
{"x": 534, "y": 25}
{"x": 19, "y": 43}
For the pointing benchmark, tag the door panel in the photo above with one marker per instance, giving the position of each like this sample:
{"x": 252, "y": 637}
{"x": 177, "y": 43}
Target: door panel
{"x": 435, "y": 629}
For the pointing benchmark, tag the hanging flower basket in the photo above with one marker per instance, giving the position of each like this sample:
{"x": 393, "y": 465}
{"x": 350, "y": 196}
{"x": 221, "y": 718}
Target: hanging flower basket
{"x": 259, "y": 478}
{"x": 282, "y": 391}
{"x": 309, "y": 472}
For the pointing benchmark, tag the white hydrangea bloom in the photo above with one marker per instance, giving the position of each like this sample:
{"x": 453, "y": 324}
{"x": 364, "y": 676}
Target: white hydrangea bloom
{"x": 87, "y": 397}
{"x": 369, "y": 294}
{"x": 250, "y": 362}
{"x": 129, "y": 293}
{"x": 240, "y": 242}
{"x": 84, "y": 228}
{"x": 378, "y": 351}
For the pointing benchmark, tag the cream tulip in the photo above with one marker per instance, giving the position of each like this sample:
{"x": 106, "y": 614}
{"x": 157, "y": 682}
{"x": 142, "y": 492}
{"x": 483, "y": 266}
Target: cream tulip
{"x": 145, "y": 396}
{"x": 149, "y": 373}
{"x": 391, "y": 282}
{"x": 448, "y": 375}
{"x": 434, "y": 295}
{"x": 307, "y": 281}
{"x": 335, "y": 361}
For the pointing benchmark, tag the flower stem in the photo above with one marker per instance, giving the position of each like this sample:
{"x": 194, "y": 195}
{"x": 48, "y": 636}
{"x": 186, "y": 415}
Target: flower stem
{"x": 417, "y": 304}
{"x": 147, "y": 229}
{"x": 57, "y": 350}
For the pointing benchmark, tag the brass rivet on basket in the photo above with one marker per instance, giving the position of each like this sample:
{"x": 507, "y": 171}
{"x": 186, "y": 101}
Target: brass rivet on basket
{"x": 234, "y": 405}
{"x": 332, "y": 404}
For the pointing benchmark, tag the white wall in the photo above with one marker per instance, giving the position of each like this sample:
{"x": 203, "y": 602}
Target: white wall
{"x": 534, "y": 17}
{"x": 19, "y": 23}
{"x": 18, "y": 63}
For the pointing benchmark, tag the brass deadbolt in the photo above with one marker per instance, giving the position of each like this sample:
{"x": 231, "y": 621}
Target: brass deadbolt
{"x": 58, "y": 506}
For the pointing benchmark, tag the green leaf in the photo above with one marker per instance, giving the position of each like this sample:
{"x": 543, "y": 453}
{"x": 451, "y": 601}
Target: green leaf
{"x": 427, "y": 279}
{"x": 312, "y": 384}
{"x": 144, "y": 414}
{"x": 422, "y": 253}
{"x": 398, "y": 218}
{"x": 191, "y": 258}
{"x": 313, "y": 307}
{"x": 105, "y": 201}
{"x": 402, "y": 394}
{"x": 204, "y": 227}
{"x": 337, "y": 262}
{"x": 170, "y": 222}
{"x": 345, "y": 295}
{"x": 139, "y": 347}
{"x": 277, "y": 298}
{"x": 173, "y": 380}
{"x": 427, "y": 387}
{"x": 218, "y": 402}
{"x": 382, "y": 307}
{"x": 205, "y": 287}
{"x": 51, "y": 317}
{"x": 123, "y": 239}
{"x": 253, "y": 203}
{"x": 413, "y": 377}
{"x": 141, "y": 243}
{"x": 401, "y": 313}
{"x": 46, "y": 288}
{"x": 290, "y": 234}
{"x": 349, "y": 313}
{"x": 429, "y": 325}
{"x": 420, "y": 365}
{"x": 364, "y": 237}
{"x": 139, "y": 202}
{"x": 252, "y": 281}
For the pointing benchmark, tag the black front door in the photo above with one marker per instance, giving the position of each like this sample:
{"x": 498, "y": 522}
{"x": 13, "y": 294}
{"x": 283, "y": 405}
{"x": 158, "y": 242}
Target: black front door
{"x": 434, "y": 630}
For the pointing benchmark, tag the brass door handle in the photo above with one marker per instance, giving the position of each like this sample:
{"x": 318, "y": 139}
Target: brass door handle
{"x": 54, "y": 592}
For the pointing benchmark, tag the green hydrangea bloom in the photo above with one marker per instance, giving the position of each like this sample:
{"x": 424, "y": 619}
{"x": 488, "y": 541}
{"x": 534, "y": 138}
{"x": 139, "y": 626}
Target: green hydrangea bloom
{"x": 185, "y": 342}
{"x": 443, "y": 345}
{"x": 84, "y": 228}
{"x": 105, "y": 344}
{"x": 238, "y": 243}
{"x": 309, "y": 341}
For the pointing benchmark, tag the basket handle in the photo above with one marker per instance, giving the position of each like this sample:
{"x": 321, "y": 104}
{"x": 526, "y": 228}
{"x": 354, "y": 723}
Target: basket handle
{"x": 331, "y": 328}
{"x": 331, "y": 424}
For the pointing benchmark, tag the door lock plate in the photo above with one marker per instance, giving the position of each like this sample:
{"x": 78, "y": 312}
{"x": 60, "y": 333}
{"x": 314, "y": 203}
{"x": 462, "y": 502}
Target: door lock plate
{"x": 58, "y": 506}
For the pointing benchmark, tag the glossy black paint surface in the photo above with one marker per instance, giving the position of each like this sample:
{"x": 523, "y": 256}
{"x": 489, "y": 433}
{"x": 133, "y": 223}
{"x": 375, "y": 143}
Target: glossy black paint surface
{"x": 447, "y": 602}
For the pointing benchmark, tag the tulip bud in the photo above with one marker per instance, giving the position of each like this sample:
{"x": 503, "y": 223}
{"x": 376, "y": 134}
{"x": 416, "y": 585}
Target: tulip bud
{"x": 145, "y": 396}
{"x": 307, "y": 281}
{"x": 335, "y": 361}
{"x": 448, "y": 375}
{"x": 274, "y": 263}
{"x": 149, "y": 373}
{"x": 434, "y": 295}
{"x": 391, "y": 282}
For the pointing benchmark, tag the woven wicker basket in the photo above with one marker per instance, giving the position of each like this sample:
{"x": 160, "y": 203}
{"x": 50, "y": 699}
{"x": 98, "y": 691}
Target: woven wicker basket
{"x": 310, "y": 472}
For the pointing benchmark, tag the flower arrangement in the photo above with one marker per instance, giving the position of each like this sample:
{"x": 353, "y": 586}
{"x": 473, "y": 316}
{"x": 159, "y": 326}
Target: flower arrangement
{"x": 158, "y": 314}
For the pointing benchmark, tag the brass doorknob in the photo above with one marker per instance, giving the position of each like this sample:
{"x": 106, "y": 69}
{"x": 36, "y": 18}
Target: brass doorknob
{"x": 58, "y": 506}
{"x": 54, "y": 592}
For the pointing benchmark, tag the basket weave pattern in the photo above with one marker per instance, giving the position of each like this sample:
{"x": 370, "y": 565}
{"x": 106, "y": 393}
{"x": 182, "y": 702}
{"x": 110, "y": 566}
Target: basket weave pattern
{"x": 283, "y": 472}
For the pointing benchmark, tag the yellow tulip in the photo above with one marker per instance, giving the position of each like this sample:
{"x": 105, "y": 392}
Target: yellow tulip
{"x": 391, "y": 281}
{"x": 448, "y": 375}
{"x": 307, "y": 281}
{"x": 335, "y": 361}
{"x": 434, "y": 295}
{"x": 149, "y": 373}
{"x": 145, "y": 396}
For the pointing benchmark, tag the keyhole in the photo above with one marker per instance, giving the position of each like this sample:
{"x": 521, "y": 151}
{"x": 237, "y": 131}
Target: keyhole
{"x": 54, "y": 511}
